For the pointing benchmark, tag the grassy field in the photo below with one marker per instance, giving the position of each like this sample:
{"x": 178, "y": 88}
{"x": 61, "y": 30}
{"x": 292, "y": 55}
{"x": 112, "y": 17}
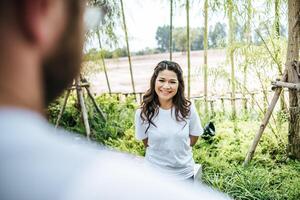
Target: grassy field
{"x": 270, "y": 175}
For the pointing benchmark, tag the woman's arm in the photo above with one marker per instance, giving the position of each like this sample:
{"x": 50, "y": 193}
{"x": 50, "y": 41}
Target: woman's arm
{"x": 195, "y": 126}
{"x": 145, "y": 141}
{"x": 193, "y": 140}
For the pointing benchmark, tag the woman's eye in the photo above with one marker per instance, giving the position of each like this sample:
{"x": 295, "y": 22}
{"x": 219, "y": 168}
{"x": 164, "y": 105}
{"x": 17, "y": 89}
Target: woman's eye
{"x": 161, "y": 80}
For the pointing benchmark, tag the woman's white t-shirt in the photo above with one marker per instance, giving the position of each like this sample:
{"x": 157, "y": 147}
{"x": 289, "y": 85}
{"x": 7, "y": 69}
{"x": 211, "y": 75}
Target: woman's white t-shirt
{"x": 169, "y": 142}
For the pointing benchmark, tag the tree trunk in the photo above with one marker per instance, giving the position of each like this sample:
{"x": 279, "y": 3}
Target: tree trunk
{"x": 127, "y": 45}
{"x": 205, "y": 41}
{"x": 188, "y": 46}
{"x": 294, "y": 95}
{"x": 231, "y": 56}
{"x": 171, "y": 29}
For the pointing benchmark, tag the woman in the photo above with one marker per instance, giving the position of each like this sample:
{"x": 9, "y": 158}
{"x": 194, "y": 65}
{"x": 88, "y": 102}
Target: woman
{"x": 168, "y": 123}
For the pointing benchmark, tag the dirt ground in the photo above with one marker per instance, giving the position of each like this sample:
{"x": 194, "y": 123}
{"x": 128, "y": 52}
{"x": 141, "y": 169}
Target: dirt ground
{"x": 119, "y": 73}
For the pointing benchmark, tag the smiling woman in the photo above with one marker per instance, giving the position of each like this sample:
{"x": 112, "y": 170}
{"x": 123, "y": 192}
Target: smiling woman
{"x": 168, "y": 123}
{"x": 166, "y": 87}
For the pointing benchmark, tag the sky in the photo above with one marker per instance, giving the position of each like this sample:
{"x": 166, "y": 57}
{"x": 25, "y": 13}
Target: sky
{"x": 143, "y": 17}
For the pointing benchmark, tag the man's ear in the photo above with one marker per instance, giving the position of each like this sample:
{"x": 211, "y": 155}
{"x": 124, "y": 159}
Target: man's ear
{"x": 31, "y": 14}
{"x": 40, "y": 20}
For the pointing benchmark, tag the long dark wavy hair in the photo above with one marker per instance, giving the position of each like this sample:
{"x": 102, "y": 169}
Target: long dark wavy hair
{"x": 150, "y": 104}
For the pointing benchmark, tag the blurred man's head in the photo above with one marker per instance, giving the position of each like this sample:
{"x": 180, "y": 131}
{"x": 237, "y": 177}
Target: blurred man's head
{"x": 42, "y": 39}
{"x": 61, "y": 67}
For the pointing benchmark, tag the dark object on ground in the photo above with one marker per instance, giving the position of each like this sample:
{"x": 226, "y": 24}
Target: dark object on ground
{"x": 209, "y": 131}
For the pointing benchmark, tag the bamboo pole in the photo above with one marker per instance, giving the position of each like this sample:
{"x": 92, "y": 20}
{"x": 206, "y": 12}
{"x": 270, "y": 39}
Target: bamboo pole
{"x": 95, "y": 104}
{"x": 85, "y": 84}
{"x": 62, "y": 108}
{"x": 127, "y": 45}
{"x": 231, "y": 55}
{"x": 103, "y": 63}
{"x": 252, "y": 100}
{"x": 295, "y": 86}
{"x": 171, "y": 29}
{"x": 212, "y": 108}
{"x": 223, "y": 106}
{"x": 187, "y": 6}
{"x": 82, "y": 107}
{"x": 141, "y": 97}
{"x": 264, "y": 123}
{"x": 249, "y": 40}
{"x": 205, "y": 42}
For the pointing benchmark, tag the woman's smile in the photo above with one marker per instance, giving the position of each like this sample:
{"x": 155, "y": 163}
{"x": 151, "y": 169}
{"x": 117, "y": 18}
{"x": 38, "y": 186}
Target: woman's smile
{"x": 166, "y": 85}
{"x": 165, "y": 92}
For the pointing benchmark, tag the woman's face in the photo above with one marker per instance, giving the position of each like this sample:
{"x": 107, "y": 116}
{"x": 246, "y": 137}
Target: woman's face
{"x": 166, "y": 85}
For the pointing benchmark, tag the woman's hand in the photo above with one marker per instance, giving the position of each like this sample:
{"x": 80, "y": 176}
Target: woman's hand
{"x": 193, "y": 140}
{"x": 145, "y": 141}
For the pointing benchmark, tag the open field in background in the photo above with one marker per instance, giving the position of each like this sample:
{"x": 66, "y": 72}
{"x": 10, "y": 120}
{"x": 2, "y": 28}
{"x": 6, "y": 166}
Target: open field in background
{"x": 218, "y": 76}
{"x": 218, "y": 80}
{"x": 119, "y": 74}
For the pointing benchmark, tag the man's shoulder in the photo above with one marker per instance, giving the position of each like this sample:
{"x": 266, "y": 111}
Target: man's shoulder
{"x": 60, "y": 165}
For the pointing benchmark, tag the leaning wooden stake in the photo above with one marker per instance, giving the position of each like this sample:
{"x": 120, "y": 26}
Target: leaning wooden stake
{"x": 95, "y": 104}
{"x": 62, "y": 108}
{"x": 264, "y": 122}
{"x": 83, "y": 108}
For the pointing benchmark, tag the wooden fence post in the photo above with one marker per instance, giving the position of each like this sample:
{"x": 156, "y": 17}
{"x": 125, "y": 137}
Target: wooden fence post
{"x": 223, "y": 106}
{"x": 82, "y": 107}
{"x": 212, "y": 107}
{"x": 252, "y": 100}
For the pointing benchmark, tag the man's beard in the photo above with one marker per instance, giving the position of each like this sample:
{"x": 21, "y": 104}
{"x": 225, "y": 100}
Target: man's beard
{"x": 63, "y": 65}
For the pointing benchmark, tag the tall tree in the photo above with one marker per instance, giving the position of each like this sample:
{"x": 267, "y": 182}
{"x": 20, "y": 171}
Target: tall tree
{"x": 180, "y": 38}
{"x": 127, "y": 45}
{"x": 293, "y": 77}
{"x": 217, "y": 36}
{"x": 171, "y": 29}
{"x": 162, "y": 37}
{"x": 187, "y": 6}
{"x": 205, "y": 41}
{"x": 197, "y": 38}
